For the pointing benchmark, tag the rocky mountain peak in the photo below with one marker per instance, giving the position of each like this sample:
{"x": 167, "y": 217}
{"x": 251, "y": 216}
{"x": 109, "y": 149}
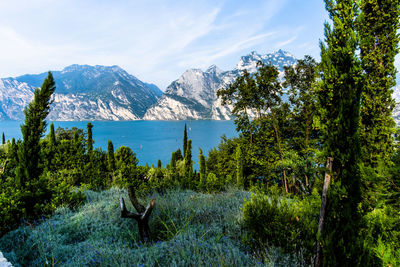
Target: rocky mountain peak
{"x": 83, "y": 92}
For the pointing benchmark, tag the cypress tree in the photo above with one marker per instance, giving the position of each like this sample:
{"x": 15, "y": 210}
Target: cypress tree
{"x": 173, "y": 161}
{"x": 159, "y": 164}
{"x": 185, "y": 141}
{"x": 202, "y": 165}
{"x": 239, "y": 168}
{"x": 52, "y": 135}
{"x": 188, "y": 166}
{"x": 339, "y": 106}
{"x": 111, "y": 158}
{"x": 89, "y": 138}
{"x": 178, "y": 154}
{"x": 379, "y": 38}
{"x": 4, "y": 139}
{"x": 28, "y": 168}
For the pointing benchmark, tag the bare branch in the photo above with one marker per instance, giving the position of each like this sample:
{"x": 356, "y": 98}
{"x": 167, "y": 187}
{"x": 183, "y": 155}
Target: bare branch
{"x": 139, "y": 207}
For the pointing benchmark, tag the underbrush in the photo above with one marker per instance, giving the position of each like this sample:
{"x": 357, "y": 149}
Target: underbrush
{"x": 189, "y": 229}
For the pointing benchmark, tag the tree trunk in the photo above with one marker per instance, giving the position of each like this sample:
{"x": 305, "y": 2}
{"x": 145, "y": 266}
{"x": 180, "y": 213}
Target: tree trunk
{"x": 142, "y": 217}
{"x": 327, "y": 181}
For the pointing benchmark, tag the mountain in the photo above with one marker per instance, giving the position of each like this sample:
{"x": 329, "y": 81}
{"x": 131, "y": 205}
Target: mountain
{"x": 193, "y": 95}
{"x": 83, "y": 92}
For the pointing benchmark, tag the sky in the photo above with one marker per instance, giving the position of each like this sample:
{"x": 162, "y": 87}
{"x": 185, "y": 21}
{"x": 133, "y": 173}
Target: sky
{"x": 154, "y": 40}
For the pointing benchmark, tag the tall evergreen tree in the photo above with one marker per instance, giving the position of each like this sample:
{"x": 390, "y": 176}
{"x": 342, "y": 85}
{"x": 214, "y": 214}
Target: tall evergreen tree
{"x": 188, "y": 166}
{"x": 28, "y": 168}
{"x": 89, "y": 138}
{"x": 202, "y": 167}
{"x": 378, "y": 29}
{"x": 52, "y": 135}
{"x": 4, "y": 139}
{"x": 339, "y": 106}
{"x": 173, "y": 161}
{"x": 159, "y": 164}
{"x": 111, "y": 158}
{"x": 185, "y": 140}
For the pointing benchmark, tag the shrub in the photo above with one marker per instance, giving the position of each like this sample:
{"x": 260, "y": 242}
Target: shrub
{"x": 289, "y": 223}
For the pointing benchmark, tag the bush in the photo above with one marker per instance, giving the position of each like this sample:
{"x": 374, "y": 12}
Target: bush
{"x": 289, "y": 223}
{"x": 381, "y": 235}
{"x": 212, "y": 184}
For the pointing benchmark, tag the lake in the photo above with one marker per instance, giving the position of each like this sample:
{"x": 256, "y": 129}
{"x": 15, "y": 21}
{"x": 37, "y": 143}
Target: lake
{"x": 150, "y": 140}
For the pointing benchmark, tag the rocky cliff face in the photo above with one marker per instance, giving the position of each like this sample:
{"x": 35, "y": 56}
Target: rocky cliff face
{"x": 193, "y": 95}
{"x": 82, "y": 93}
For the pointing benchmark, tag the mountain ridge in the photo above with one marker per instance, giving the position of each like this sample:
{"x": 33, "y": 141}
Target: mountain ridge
{"x": 193, "y": 95}
{"x": 83, "y": 92}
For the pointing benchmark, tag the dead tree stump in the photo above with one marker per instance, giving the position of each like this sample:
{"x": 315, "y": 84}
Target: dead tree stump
{"x": 324, "y": 199}
{"x": 143, "y": 215}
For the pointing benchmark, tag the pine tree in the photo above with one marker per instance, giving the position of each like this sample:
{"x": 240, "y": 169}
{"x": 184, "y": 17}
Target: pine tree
{"x": 111, "y": 158}
{"x": 185, "y": 140}
{"x": 339, "y": 107}
{"x": 4, "y": 139}
{"x": 89, "y": 138}
{"x": 28, "y": 168}
{"x": 239, "y": 168}
{"x": 379, "y": 38}
{"x": 202, "y": 166}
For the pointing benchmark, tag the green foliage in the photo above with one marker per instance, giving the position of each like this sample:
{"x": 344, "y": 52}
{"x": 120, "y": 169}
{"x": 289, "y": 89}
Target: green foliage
{"x": 378, "y": 26}
{"x": 187, "y": 180}
{"x": 203, "y": 171}
{"x": 300, "y": 80}
{"x": 213, "y": 183}
{"x": 126, "y": 162}
{"x": 110, "y": 156}
{"x": 289, "y": 223}
{"x": 52, "y": 135}
{"x": 381, "y": 232}
{"x": 185, "y": 141}
{"x": 339, "y": 99}
{"x": 221, "y": 161}
{"x": 28, "y": 168}
{"x": 3, "y": 139}
{"x": 90, "y": 140}
{"x": 159, "y": 164}
{"x": 239, "y": 168}
{"x": 27, "y": 189}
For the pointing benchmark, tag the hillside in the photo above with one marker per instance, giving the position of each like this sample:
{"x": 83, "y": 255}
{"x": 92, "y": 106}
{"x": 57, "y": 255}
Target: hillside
{"x": 191, "y": 228}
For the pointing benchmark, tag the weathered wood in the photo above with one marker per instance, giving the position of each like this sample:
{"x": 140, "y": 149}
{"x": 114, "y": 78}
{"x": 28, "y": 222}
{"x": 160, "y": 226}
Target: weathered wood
{"x": 327, "y": 181}
{"x": 143, "y": 215}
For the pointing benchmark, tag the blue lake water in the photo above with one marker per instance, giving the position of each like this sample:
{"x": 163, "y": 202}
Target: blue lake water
{"x": 150, "y": 140}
